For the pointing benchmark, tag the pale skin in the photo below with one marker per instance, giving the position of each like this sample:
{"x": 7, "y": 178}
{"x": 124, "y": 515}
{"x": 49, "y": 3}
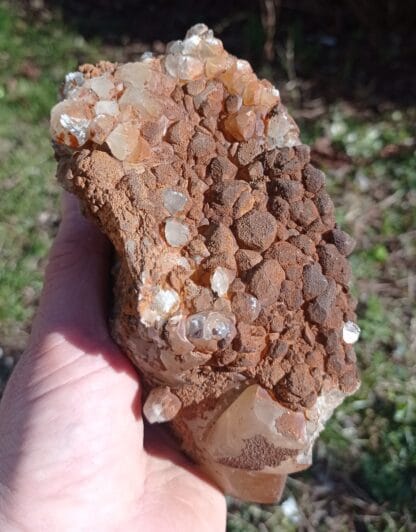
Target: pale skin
{"x": 73, "y": 453}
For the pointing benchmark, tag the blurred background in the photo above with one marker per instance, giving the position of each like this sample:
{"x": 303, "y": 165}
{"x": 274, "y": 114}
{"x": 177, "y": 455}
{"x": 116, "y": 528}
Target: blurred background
{"x": 347, "y": 71}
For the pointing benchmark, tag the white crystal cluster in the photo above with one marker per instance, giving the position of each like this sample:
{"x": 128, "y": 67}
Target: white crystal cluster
{"x": 113, "y": 106}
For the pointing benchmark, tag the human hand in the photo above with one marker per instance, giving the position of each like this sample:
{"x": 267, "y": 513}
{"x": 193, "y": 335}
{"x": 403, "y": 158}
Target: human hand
{"x": 74, "y": 455}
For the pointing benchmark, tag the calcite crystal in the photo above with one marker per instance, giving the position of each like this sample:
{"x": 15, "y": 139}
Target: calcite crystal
{"x": 231, "y": 282}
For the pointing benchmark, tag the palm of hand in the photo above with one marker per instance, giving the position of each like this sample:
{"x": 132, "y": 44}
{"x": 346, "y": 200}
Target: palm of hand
{"x": 71, "y": 432}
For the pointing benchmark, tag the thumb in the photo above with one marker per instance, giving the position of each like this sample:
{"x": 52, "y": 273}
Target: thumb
{"x": 76, "y": 286}
{"x": 70, "y": 347}
{"x": 70, "y": 424}
{"x": 72, "y": 316}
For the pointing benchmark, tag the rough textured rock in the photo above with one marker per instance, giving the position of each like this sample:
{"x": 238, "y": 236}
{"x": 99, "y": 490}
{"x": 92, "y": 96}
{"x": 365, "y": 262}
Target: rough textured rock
{"x": 231, "y": 283}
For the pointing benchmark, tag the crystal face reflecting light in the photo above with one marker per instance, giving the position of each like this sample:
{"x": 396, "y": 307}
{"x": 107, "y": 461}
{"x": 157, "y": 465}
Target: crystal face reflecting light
{"x": 76, "y": 126}
{"x": 161, "y": 405}
{"x": 176, "y": 233}
{"x": 166, "y": 301}
{"x": 106, "y": 107}
{"x": 255, "y": 307}
{"x": 173, "y": 201}
{"x": 255, "y": 413}
{"x": 350, "y": 332}
{"x": 102, "y": 86}
{"x": 205, "y": 327}
{"x": 220, "y": 281}
{"x": 72, "y": 80}
{"x": 139, "y": 90}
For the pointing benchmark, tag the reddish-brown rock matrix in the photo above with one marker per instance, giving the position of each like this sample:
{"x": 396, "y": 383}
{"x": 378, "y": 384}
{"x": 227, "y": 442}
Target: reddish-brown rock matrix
{"x": 231, "y": 283}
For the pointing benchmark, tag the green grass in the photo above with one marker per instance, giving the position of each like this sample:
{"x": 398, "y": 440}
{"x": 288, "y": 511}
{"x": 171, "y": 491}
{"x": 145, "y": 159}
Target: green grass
{"x": 33, "y": 61}
{"x": 374, "y": 432}
{"x": 365, "y": 468}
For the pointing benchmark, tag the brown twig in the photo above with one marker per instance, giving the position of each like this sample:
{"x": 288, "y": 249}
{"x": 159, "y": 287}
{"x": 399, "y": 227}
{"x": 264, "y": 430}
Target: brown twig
{"x": 269, "y": 14}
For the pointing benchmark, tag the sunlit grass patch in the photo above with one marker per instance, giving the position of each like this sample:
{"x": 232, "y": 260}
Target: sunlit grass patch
{"x": 33, "y": 61}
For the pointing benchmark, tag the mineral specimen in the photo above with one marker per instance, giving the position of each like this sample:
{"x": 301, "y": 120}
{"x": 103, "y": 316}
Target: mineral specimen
{"x": 231, "y": 286}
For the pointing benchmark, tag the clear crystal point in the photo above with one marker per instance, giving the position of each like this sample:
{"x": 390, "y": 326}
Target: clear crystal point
{"x": 102, "y": 86}
{"x": 166, "y": 301}
{"x": 176, "y": 233}
{"x": 72, "y": 81}
{"x": 78, "y": 127}
{"x": 255, "y": 413}
{"x": 199, "y": 29}
{"x": 220, "y": 280}
{"x": 206, "y": 328}
{"x": 161, "y": 405}
{"x": 350, "y": 332}
{"x": 174, "y": 201}
{"x": 106, "y": 107}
